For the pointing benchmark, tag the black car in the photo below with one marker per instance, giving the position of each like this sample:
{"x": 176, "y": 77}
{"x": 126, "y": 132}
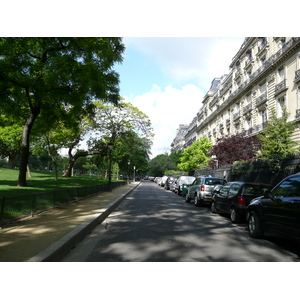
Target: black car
{"x": 277, "y": 211}
{"x": 234, "y": 197}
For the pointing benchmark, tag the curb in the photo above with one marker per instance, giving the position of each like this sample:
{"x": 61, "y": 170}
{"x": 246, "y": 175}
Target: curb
{"x": 61, "y": 247}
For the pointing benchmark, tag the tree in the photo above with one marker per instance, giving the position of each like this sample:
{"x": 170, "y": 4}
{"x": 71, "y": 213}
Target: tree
{"x": 109, "y": 123}
{"x": 159, "y": 164}
{"x": 235, "y": 148}
{"x": 50, "y": 77}
{"x": 195, "y": 156}
{"x": 276, "y": 140}
{"x": 10, "y": 140}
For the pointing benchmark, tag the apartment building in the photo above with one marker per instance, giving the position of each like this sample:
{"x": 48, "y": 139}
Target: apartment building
{"x": 264, "y": 74}
{"x": 179, "y": 140}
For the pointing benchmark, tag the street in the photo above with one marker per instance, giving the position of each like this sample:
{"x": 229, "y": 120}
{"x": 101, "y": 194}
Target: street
{"x": 156, "y": 225}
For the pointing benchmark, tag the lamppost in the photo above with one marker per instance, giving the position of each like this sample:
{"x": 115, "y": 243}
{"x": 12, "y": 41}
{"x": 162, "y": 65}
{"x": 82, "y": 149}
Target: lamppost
{"x": 110, "y": 147}
{"x": 214, "y": 157}
{"x": 133, "y": 173}
{"x": 128, "y": 171}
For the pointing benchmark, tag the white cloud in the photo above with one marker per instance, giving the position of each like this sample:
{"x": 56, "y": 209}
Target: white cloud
{"x": 167, "y": 109}
{"x": 196, "y": 59}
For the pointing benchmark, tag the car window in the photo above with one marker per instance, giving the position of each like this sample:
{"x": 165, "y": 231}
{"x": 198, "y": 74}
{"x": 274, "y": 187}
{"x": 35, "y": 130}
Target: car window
{"x": 198, "y": 181}
{"x": 224, "y": 190}
{"x": 214, "y": 181}
{"x": 255, "y": 190}
{"x": 233, "y": 189}
{"x": 289, "y": 187}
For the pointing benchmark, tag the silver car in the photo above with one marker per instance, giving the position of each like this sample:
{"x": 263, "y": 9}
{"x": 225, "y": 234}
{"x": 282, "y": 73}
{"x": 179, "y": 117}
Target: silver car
{"x": 201, "y": 189}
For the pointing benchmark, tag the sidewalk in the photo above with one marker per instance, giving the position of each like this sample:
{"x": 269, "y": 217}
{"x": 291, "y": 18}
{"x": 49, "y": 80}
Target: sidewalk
{"x": 46, "y": 237}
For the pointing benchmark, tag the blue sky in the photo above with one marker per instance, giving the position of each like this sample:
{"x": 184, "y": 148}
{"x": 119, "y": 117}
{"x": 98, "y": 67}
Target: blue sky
{"x": 167, "y": 77}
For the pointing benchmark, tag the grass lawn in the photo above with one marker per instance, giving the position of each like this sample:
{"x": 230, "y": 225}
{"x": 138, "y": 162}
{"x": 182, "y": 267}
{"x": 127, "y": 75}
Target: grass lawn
{"x": 40, "y": 182}
{"x": 39, "y": 195}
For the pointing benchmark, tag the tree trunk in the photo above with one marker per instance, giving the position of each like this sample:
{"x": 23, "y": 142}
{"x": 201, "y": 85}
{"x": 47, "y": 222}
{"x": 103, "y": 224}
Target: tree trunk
{"x": 25, "y": 147}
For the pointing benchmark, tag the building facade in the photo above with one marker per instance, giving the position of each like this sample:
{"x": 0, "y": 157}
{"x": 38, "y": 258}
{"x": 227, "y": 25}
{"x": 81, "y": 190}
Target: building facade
{"x": 179, "y": 140}
{"x": 264, "y": 74}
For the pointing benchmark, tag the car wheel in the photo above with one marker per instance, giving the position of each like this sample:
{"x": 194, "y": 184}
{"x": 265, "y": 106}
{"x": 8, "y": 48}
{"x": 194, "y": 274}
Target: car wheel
{"x": 213, "y": 208}
{"x": 234, "y": 216}
{"x": 254, "y": 225}
{"x": 187, "y": 198}
{"x": 197, "y": 201}
{"x": 178, "y": 191}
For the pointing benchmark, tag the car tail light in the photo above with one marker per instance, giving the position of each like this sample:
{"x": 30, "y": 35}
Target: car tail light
{"x": 202, "y": 188}
{"x": 241, "y": 200}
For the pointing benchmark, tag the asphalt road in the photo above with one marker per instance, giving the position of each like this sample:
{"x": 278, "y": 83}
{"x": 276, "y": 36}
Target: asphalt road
{"x": 155, "y": 225}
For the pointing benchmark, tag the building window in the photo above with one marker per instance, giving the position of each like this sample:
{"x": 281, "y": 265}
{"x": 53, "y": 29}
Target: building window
{"x": 280, "y": 106}
{"x": 280, "y": 75}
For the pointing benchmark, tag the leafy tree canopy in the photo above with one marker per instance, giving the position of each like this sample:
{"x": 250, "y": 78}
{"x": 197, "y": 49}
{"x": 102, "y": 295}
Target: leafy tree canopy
{"x": 53, "y": 77}
{"x": 235, "y": 148}
{"x": 195, "y": 156}
{"x": 276, "y": 140}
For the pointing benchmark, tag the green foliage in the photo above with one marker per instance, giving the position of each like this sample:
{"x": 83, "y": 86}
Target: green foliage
{"x": 53, "y": 78}
{"x": 238, "y": 167}
{"x": 159, "y": 164}
{"x": 195, "y": 157}
{"x": 276, "y": 140}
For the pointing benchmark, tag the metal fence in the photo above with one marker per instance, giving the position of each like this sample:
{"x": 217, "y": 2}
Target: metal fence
{"x": 14, "y": 208}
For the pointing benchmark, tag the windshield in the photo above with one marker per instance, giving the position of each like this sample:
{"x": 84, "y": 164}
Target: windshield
{"x": 255, "y": 190}
{"x": 188, "y": 180}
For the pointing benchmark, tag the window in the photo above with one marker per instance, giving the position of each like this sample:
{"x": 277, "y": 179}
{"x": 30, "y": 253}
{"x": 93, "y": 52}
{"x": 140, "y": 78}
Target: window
{"x": 249, "y": 98}
{"x": 262, "y": 88}
{"x": 234, "y": 189}
{"x": 224, "y": 190}
{"x": 280, "y": 106}
{"x": 280, "y": 75}
{"x": 290, "y": 187}
{"x": 248, "y": 123}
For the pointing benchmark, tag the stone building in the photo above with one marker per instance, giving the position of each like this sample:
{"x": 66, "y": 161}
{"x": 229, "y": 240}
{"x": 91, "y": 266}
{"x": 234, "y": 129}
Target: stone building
{"x": 264, "y": 74}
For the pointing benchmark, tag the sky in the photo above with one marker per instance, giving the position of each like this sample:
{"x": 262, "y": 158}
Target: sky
{"x": 167, "y": 77}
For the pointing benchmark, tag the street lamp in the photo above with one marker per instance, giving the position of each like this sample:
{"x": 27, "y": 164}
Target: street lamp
{"x": 133, "y": 173}
{"x": 128, "y": 171}
{"x": 110, "y": 147}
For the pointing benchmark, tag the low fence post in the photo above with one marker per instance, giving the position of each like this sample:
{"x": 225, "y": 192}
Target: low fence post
{"x": 32, "y": 204}
{"x": 2, "y": 210}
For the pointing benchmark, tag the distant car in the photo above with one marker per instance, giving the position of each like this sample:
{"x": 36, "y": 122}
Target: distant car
{"x": 172, "y": 185}
{"x": 163, "y": 181}
{"x": 277, "y": 211}
{"x": 234, "y": 197}
{"x": 168, "y": 182}
{"x": 182, "y": 184}
{"x": 201, "y": 189}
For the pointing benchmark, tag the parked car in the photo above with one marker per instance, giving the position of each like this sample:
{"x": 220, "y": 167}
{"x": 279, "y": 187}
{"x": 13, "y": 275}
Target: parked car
{"x": 182, "y": 184}
{"x": 201, "y": 189}
{"x": 172, "y": 185}
{"x": 278, "y": 211}
{"x": 234, "y": 197}
{"x": 158, "y": 180}
{"x": 163, "y": 181}
{"x": 169, "y": 181}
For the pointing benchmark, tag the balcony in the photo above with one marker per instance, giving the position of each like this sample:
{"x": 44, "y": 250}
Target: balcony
{"x": 280, "y": 87}
{"x": 247, "y": 108}
{"x": 261, "y": 99}
{"x": 236, "y": 115}
{"x": 297, "y": 76}
{"x": 262, "y": 46}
